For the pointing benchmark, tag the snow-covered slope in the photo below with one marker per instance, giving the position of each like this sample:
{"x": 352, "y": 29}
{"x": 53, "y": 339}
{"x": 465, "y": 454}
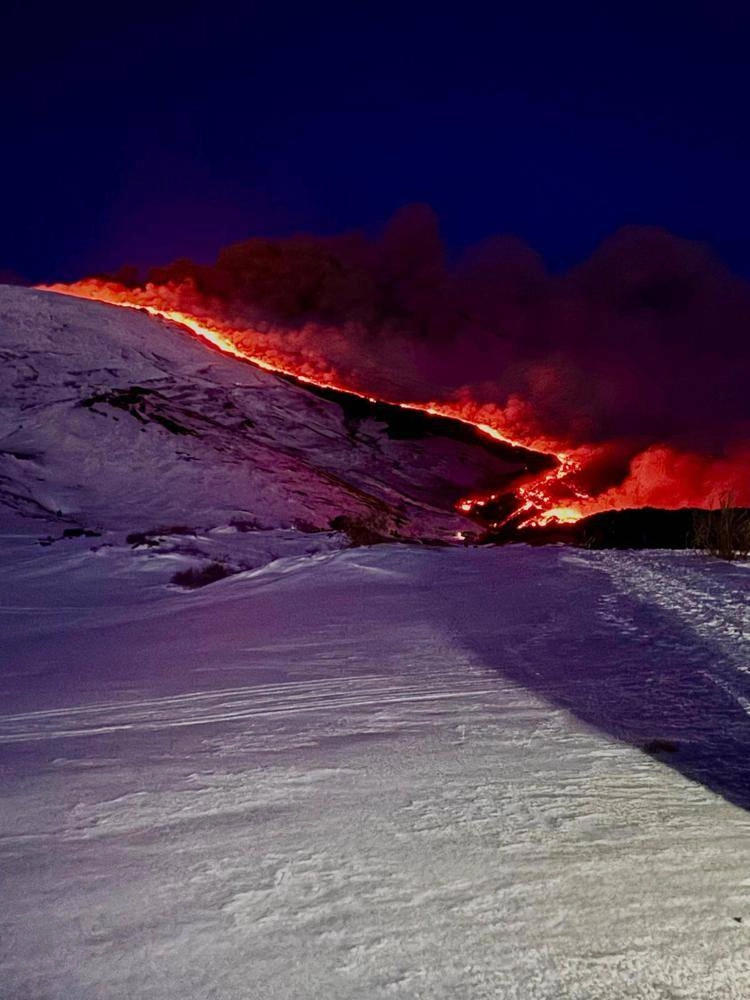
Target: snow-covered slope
{"x": 114, "y": 420}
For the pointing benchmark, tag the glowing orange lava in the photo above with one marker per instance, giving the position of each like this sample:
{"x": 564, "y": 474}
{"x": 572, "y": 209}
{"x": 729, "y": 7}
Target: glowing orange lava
{"x": 540, "y": 499}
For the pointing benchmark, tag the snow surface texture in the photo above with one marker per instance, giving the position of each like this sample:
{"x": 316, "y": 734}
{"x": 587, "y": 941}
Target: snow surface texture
{"x": 373, "y": 773}
{"x": 369, "y": 774}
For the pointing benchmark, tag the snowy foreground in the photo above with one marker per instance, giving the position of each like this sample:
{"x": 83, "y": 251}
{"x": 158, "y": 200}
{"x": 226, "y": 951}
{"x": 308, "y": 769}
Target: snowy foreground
{"x": 387, "y": 772}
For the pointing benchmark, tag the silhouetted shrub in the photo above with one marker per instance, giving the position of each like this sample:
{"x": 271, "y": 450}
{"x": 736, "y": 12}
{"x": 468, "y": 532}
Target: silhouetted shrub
{"x": 724, "y": 532}
{"x": 193, "y": 578}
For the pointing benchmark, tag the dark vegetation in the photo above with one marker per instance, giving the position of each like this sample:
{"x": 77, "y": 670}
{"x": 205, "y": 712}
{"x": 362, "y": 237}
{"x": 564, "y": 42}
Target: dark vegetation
{"x": 202, "y": 576}
{"x": 643, "y": 528}
{"x": 724, "y": 532}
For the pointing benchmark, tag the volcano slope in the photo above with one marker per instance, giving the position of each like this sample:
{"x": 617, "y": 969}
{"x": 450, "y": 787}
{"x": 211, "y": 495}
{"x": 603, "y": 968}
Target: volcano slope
{"x": 116, "y": 421}
{"x": 378, "y": 772}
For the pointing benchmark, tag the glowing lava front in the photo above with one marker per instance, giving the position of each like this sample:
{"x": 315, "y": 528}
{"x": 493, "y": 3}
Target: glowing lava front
{"x": 539, "y": 499}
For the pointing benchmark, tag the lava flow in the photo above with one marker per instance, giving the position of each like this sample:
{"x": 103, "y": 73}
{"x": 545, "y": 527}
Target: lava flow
{"x": 538, "y": 502}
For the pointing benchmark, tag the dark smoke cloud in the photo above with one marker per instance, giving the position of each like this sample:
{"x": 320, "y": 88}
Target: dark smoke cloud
{"x": 641, "y": 353}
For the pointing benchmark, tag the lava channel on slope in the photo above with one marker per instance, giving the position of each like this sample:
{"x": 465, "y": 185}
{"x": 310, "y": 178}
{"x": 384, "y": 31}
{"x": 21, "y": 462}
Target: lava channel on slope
{"x": 550, "y": 495}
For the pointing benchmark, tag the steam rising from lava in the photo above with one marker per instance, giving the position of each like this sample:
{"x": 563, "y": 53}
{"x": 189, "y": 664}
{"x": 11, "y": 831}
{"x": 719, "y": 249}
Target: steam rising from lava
{"x": 632, "y": 368}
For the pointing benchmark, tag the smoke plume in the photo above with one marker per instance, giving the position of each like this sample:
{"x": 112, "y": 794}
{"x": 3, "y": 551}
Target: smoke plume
{"x": 634, "y": 364}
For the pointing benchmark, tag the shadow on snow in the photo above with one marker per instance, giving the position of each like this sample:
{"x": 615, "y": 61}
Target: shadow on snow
{"x": 632, "y": 670}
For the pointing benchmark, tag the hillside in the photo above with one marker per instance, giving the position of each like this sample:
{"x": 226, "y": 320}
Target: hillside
{"x": 118, "y": 423}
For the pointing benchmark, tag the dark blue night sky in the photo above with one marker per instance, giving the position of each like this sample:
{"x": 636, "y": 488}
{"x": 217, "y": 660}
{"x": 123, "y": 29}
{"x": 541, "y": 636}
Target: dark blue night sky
{"x": 139, "y": 134}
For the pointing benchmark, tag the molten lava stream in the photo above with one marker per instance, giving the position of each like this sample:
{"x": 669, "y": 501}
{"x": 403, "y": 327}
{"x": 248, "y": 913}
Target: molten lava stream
{"x": 536, "y": 498}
